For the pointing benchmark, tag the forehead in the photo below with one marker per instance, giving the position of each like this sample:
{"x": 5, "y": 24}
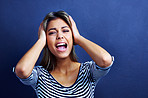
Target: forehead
{"x": 57, "y": 23}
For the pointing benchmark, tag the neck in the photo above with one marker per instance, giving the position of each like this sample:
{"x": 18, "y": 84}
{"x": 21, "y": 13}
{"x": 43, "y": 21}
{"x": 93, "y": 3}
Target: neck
{"x": 64, "y": 64}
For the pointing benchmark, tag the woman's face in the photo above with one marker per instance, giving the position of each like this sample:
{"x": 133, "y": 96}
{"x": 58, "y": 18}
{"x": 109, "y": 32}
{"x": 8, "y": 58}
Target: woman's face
{"x": 59, "y": 38}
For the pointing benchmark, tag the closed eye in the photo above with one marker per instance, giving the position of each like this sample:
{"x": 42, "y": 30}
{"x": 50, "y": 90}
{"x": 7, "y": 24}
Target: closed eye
{"x": 65, "y": 30}
{"x": 50, "y": 33}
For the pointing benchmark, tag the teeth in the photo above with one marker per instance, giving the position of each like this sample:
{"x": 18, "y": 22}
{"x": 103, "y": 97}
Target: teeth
{"x": 61, "y": 44}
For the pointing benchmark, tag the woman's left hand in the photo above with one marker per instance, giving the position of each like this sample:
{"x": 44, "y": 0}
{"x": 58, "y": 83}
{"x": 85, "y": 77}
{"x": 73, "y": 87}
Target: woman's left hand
{"x": 97, "y": 53}
{"x": 75, "y": 31}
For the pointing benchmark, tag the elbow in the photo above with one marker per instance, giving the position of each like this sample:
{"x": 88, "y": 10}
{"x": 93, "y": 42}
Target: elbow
{"x": 106, "y": 61}
{"x": 21, "y": 72}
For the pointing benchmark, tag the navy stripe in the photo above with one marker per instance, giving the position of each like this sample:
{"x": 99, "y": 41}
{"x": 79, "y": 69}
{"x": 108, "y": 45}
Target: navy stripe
{"x": 47, "y": 86}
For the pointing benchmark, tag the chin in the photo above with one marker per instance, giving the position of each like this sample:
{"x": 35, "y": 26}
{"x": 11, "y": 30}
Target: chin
{"x": 62, "y": 56}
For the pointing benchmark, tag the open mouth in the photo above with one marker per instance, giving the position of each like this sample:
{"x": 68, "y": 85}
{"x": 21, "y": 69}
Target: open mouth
{"x": 61, "y": 46}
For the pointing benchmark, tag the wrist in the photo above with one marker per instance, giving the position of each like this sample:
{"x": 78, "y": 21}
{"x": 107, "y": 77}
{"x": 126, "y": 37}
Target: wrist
{"x": 78, "y": 40}
{"x": 42, "y": 41}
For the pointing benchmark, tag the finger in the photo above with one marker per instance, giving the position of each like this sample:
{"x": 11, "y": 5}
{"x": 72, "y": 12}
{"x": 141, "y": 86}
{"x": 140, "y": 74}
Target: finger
{"x": 71, "y": 20}
{"x": 41, "y": 23}
{"x": 69, "y": 17}
{"x": 41, "y": 26}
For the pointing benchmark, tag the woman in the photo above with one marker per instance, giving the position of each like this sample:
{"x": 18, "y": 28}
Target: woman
{"x": 60, "y": 75}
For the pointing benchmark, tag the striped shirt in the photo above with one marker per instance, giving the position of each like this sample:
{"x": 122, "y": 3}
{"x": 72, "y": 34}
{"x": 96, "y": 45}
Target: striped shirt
{"x": 45, "y": 84}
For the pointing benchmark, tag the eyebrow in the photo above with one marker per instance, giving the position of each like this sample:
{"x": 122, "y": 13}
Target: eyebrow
{"x": 55, "y": 28}
{"x": 65, "y": 27}
{"x": 51, "y": 29}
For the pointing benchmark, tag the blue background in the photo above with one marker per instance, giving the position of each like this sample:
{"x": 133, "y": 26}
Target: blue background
{"x": 119, "y": 26}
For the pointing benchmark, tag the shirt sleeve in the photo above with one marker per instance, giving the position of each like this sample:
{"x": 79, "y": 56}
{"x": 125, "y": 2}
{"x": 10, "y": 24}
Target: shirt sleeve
{"x": 98, "y": 72}
{"x": 32, "y": 79}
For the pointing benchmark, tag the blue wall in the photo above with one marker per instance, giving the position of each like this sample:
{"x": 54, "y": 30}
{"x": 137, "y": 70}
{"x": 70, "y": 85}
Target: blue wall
{"x": 119, "y": 26}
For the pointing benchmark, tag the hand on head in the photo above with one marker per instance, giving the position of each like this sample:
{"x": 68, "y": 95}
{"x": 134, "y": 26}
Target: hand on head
{"x": 41, "y": 33}
{"x": 75, "y": 31}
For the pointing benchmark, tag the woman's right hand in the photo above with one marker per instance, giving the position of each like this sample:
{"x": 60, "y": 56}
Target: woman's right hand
{"x": 41, "y": 33}
{"x": 26, "y": 64}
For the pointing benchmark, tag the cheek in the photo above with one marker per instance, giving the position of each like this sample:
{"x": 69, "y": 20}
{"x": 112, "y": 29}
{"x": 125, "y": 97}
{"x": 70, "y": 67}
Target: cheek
{"x": 70, "y": 37}
{"x": 50, "y": 41}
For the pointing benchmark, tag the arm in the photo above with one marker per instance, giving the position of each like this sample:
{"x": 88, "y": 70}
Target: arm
{"x": 26, "y": 64}
{"x": 97, "y": 53}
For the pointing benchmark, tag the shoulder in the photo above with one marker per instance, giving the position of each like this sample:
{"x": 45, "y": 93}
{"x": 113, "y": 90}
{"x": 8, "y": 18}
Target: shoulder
{"x": 37, "y": 68}
{"x": 87, "y": 63}
{"x": 40, "y": 69}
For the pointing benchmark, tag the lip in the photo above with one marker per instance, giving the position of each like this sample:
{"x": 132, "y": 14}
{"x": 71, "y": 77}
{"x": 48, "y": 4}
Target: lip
{"x": 61, "y": 50}
{"x": 60, "y": 43}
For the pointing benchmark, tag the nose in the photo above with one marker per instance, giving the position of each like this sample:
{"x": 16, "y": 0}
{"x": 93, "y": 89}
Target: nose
{"x": 59, "y": 36}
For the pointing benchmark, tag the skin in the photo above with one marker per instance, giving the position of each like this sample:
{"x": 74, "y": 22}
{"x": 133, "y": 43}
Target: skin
{"x": 59, "y": 31}
{"x": 66, "y": 71}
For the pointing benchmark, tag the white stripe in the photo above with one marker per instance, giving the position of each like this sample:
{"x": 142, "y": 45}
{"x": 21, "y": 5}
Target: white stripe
{"x": 83, "y": 86}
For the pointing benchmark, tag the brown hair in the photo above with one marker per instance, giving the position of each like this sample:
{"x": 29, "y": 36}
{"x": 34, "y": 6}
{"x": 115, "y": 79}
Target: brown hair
{"x": 49, "y": 60}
